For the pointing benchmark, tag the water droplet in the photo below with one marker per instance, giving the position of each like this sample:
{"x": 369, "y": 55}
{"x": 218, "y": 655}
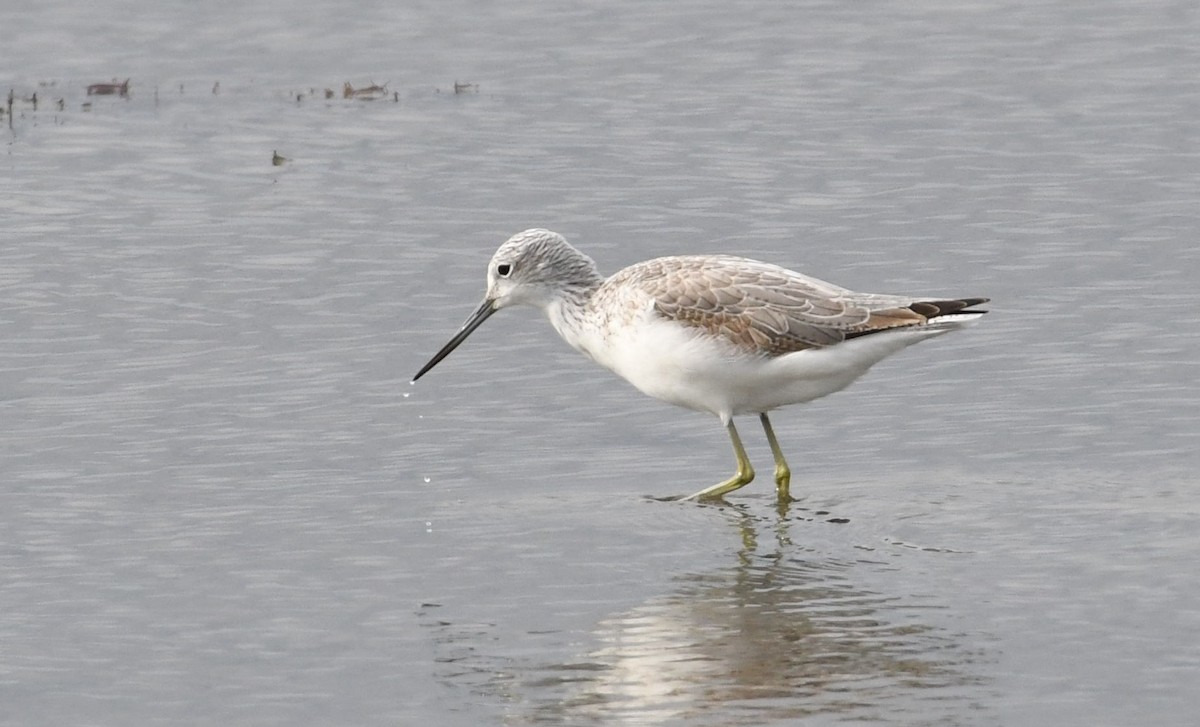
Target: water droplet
{"x": 428, "y": 480}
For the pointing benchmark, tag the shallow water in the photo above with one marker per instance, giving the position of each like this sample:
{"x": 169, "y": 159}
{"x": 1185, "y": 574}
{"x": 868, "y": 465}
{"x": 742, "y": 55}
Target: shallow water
{"x": 224, "y": 503}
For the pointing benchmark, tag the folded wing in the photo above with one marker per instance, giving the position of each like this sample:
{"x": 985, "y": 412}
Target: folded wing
{"x": 773, "y": 311}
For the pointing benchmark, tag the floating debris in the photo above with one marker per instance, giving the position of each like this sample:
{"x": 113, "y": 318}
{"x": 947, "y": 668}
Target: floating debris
{"x": 217, "y": 88}
{"x": 329, "y": 93}
{"x": 368, "y": 93}
{"x": 465, "y": 87}
{"x": 109, "y": 89}
{"x": 278, "y": 159}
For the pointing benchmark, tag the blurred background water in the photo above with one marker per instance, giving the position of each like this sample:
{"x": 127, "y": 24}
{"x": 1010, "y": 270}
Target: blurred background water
{"x": 222, "y": 502}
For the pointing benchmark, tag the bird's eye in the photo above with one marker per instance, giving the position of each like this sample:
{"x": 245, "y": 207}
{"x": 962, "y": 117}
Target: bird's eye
{"x": 504, "y": 270}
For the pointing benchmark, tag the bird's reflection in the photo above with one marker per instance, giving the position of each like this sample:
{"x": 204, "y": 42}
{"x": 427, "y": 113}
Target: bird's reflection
{"x": 777, "y": 636}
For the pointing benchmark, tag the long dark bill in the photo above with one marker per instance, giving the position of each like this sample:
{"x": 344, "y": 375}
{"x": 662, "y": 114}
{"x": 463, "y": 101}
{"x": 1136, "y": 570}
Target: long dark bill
{"x": 480, "y": 315}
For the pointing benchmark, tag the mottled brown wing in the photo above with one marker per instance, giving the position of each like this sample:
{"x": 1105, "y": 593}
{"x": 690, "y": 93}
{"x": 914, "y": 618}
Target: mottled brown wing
{"x": 759, "y": 307}
{"x": 767, "y": 309}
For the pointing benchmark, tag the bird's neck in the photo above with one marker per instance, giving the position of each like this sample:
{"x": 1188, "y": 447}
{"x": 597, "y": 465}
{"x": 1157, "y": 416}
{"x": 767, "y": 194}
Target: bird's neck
{"x": 568, "y": 313}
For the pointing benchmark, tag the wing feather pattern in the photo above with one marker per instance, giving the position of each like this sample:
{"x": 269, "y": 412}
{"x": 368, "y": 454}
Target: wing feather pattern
{"x": 768, "y": 309}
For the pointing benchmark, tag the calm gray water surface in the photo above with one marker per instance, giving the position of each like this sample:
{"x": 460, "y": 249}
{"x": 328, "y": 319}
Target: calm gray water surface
{"x": 221, "y": 502}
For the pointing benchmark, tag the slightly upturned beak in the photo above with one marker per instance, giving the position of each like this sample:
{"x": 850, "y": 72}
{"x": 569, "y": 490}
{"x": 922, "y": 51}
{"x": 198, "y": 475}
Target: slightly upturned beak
{"x": 481, "y": 314}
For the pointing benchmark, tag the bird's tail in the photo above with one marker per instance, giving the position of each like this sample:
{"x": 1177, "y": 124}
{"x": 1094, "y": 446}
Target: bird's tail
{"x": 949, "y": 314}
{"x": 924, "y": 315}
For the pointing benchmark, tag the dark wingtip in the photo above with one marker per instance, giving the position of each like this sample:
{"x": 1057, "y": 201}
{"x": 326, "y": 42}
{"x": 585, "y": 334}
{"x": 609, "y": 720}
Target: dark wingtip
{"x": 935, "y": 308}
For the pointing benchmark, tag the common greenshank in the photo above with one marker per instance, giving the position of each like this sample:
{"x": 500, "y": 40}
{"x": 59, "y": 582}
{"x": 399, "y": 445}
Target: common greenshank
{"x": 713, "y": 333}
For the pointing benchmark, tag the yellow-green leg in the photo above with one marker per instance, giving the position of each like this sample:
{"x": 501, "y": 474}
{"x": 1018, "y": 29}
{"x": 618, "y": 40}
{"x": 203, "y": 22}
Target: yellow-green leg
{"x": 741, "y": 478}
{"x": 783, "y": 473}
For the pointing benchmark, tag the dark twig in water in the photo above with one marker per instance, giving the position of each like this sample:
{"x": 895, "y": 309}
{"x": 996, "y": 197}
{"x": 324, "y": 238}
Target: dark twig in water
{"x": 368, "y": 93}
{"x": 109, "y": 89}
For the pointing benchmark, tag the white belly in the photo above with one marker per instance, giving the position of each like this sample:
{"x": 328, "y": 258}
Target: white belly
{"x": 680, "y": 365}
